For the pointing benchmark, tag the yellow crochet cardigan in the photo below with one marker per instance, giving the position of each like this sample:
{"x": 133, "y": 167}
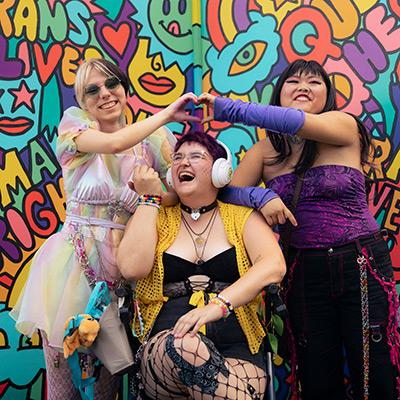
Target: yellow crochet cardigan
{"x": 150, "y": 289}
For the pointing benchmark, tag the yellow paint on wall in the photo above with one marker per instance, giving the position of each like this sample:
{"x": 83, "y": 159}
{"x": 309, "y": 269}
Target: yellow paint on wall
{"x": 153, "y": 82}
{"x": 394, "y": 169}
{"x": 26, "y": 19}
{"x": 91, "y": 52}
{"x": 342, "y": 15}
{"x": 227, "y": 24}
{"x": 5, "y": 21}
{"x": 57, "y": 197}
{"x": 69, "y": 64}
{"x": 393, "y": 213}
{"x": 365, "y": 5}
{"x": 196, "y": 12}
{"x": 9, "y": 177}
{"x": 19, "y": 284}
{"x": 279, "y": 9}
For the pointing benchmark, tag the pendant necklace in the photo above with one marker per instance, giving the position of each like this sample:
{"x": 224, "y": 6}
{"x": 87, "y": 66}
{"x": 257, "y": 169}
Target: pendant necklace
{"x": 196, "y": 212}
{"x": 199, "y": 241}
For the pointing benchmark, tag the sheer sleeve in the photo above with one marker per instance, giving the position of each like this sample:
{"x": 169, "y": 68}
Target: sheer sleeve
{"x": 159, "y": 146}
{"x": 73, "y": 123}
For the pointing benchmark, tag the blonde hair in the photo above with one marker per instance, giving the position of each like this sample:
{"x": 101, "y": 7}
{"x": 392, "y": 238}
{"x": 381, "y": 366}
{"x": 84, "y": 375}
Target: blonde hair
{"x": 102, "y": 65}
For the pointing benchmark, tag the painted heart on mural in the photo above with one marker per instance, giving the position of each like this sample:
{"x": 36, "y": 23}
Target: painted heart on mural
{"x": 117, "y": 38}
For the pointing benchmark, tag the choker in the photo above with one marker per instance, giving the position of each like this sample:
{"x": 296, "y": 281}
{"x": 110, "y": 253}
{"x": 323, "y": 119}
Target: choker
{"x": 196, "y": 212}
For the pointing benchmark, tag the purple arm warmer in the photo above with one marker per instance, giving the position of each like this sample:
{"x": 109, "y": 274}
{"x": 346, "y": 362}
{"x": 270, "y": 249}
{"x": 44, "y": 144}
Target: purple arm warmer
{"x": 277, "y": 119}
{"x": 250, "y": 196}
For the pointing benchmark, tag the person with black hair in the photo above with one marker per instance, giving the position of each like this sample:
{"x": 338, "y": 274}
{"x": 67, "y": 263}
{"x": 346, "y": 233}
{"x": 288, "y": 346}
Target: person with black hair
{"x": 340, "y": 289}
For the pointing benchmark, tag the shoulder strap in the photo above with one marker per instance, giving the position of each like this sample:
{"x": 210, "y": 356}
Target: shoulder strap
{"x": 99, "y": 300}
{"x": 293, "y": 207}
{"x": 85, "y": 386}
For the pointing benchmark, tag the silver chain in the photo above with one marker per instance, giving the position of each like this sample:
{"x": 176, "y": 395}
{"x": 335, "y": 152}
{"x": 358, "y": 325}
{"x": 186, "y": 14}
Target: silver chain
{"x": 362, "y": 263}
{"x": 76, "y": 239}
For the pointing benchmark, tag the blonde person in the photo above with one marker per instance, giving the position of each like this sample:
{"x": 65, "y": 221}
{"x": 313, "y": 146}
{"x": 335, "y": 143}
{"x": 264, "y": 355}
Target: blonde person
{"x": 199, "y": 252}
{"x": 340, "y": 289}
{"x": 97, "y": 151}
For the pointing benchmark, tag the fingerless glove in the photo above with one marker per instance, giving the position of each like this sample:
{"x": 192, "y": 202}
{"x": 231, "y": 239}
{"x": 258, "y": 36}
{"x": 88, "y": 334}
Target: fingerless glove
{"x": 249, "y": 196}
{"x": 277, "y": 119}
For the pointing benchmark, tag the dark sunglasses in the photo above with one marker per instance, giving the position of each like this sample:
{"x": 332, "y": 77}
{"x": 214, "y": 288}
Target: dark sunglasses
{"x": 111, "y": 83}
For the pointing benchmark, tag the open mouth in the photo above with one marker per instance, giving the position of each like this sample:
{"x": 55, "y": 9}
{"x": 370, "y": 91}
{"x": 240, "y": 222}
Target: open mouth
{"x": 108, "y": 105}
{"x": 186, "y": 176}
{"x": 302, "y": 97}
{"x": 15, "y": 126}
{"x": 174, "y": 29}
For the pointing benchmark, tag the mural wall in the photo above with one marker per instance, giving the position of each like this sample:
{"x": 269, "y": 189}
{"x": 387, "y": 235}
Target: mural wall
{"x": 234, "y": 48}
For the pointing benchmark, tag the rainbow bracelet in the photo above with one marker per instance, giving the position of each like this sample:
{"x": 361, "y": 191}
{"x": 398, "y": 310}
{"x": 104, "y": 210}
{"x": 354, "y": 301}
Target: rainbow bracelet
{"x": 223, "y": 303}
{"x": 149, "y": 200}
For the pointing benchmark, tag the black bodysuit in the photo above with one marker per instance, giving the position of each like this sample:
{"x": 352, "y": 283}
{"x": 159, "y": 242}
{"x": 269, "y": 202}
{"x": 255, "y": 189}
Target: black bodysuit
{"x": 227, "y": 335}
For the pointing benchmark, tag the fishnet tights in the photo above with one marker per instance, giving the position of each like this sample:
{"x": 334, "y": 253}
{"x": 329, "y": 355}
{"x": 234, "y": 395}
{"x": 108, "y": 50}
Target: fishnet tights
{"x": 192, "y": 368}
{"x": 60, "y": 385}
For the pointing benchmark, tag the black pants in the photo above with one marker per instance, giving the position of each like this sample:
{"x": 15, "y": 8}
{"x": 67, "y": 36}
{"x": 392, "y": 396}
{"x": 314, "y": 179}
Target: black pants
{"x": 324, "y": 302}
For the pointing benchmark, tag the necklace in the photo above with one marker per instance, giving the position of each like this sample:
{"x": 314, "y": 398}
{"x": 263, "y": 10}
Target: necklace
{"x": 196, "y": 212}
{"x": 199, "y": 242}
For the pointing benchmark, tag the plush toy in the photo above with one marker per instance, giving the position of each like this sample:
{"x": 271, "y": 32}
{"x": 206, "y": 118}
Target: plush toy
{"x": 82, "y": 330}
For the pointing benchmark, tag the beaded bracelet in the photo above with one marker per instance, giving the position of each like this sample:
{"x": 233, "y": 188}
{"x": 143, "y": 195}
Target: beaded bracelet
{"x": 145, "y": 203}
{"x": 152, "y": 198}
{"x": 149, "y": 200}
{"x": 223, "y": 303}
{"x": 225, "y": 310}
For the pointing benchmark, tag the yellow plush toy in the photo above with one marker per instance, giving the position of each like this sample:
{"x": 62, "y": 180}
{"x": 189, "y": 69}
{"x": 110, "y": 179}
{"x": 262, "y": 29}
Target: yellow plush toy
{"x": 82, "y": 332}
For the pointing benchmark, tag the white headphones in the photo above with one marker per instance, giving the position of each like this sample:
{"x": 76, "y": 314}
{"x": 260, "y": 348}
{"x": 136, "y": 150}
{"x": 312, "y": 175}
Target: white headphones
{"x": 221, "y": 173}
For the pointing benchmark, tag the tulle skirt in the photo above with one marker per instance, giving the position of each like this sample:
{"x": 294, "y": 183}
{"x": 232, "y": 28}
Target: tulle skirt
{"x": 57, "y": 287}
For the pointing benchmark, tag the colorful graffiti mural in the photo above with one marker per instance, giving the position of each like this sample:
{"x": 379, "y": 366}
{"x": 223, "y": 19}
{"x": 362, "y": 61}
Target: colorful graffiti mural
{"x": 235, "y": 48}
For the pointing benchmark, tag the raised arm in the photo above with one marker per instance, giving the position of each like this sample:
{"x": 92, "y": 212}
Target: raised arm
{"x": 94, "y": 141}
{"x": 333, "y": 127}
{"x": 268, "y": 267}
{"x": 136, "y": 251}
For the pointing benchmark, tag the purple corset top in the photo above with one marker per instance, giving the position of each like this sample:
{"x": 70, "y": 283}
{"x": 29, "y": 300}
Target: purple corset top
{"x": 332, "y": 207}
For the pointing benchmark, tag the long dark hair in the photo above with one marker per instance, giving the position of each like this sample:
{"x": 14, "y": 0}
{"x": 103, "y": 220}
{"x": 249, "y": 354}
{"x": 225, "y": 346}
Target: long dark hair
{"x": 281, "y": 143}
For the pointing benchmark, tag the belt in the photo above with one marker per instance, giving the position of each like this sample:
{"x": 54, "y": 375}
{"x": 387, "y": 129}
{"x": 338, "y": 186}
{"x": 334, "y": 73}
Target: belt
{"x": 184, "y": 288}
{"x": 106, "y": 223}
{"x": 356, "y": 243}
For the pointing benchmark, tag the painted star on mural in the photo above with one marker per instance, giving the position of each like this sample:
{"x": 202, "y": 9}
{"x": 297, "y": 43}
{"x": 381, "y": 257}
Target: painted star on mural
{"x": 23, "y": 96}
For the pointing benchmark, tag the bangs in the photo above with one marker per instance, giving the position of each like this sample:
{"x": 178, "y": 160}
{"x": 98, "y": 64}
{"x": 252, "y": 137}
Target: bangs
{"x": 303, "y": 67}
{"x": 306, "y": 68}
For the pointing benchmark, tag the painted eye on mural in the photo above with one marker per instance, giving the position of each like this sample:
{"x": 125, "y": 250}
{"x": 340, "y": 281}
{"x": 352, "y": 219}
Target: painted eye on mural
{"x": 166, "y": 7}
{"x": 247, "y": 57}
{"x": 182, "y": 7}
{"x": 3, "y": 340}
